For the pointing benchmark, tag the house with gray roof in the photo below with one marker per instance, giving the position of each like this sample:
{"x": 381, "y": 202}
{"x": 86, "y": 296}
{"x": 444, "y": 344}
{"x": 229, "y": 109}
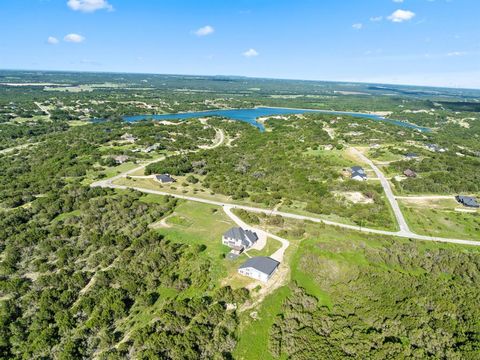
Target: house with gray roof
{"x": 358, "y": 173}
{"x": 239, "y": 239}
{"x": 411, "y": 156}
{"x": 164, "y": 178}
{"x": 467, "y": 201}
{"x": 259, "y": 268}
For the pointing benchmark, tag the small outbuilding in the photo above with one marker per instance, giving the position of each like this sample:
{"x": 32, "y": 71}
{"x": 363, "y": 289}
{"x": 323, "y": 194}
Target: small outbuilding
{"x": 467, "y": 201}
{"x": 259, "y": 268}
{"x": 410, "y": 173}
{"x": 165, "y": 178}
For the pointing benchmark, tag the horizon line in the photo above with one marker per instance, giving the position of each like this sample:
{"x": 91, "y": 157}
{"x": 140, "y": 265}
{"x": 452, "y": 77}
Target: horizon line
{"x": 244, "y": 76}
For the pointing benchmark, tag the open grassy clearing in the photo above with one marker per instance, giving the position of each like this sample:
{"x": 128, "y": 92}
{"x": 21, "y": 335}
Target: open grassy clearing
{"x": 439, "y": 218}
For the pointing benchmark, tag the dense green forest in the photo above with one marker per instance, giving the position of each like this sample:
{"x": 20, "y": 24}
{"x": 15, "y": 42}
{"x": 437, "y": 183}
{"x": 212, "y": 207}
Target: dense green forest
{"x": 81, "y": 261}
{"x": 385, "y": 300}
{"x": 85, "y": 272}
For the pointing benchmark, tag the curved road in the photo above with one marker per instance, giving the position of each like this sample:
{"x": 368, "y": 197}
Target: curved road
{"x": 404, "y": 232}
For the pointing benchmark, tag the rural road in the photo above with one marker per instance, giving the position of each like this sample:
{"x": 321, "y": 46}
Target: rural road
{"x": 109, "y": 184}
{"x": 389, "y": 193}
{"x": 404, "y": 230}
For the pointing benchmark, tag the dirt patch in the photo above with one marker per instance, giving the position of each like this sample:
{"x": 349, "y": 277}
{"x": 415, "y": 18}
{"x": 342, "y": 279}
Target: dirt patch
{"x": 355, "y": 197}
{"x": 279, "y": 279}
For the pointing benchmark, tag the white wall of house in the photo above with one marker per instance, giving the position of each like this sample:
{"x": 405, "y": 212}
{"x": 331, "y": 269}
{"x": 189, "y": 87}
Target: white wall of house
{"x": 254, "y": 274}
{"x": 231, "y": 242}
{"x": 359, "y": 178}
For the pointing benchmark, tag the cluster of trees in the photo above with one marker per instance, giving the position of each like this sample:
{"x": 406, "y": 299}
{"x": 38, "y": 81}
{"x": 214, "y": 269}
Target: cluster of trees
{"x": 280, "y": 166}
{"x": 402, "y": 302}
{"x": 441, "y": 173}
{"x": 81, "y": 265}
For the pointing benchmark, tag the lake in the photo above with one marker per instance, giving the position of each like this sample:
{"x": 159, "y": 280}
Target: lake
{"x": 251, "y": 115}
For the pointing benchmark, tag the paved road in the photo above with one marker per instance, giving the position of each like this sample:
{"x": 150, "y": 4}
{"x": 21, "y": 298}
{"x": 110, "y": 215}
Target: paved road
{"x": 108, "y": 183}
{"x": 389, "y": 193}
{"x": 404, "y": 230}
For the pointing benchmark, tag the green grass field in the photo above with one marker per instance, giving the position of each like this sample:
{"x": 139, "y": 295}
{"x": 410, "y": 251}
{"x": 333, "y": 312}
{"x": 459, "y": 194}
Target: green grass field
{"x": 443, "y": 221}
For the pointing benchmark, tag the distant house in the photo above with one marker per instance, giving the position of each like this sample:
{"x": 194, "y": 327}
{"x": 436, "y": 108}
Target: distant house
{"x": 165, "y": 178}
{"x": 120, "y": 159}
{"x": 467, "y": 201}
{"x": 128, "y": 137}
{"x": 410, "y": 173}
{"x": 435, "y": 148}
{"x": 259, "y": 268}
{"x": 151, "y": 148}
{"x": 411, "y": 156}
{"x": 357, "y": 173}
{"x": 239, "y": 239}
{"x": 374, "y": 146}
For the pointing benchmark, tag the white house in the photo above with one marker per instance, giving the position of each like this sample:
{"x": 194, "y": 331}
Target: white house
{"x": 358, "y": 173}
{"x": 259, "y": 268}
{"x": 239, "y": 239}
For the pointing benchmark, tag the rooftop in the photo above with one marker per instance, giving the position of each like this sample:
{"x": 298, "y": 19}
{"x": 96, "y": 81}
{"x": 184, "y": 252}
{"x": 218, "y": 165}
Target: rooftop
{"x": 247, "y": 237}
{"x": 264, "y": 264}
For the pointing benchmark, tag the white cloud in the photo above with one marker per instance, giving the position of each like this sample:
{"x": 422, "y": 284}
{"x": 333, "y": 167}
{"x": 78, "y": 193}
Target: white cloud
{"x": 457, "y": 53}
{"x": 52, "y": 40}
{"x": 204, "y": 31}
{"x": 398, "y": 1}
{"x": 250, "y": 53}
{"x": 89, "y": 5}
{"x": 376, "y": 18}
{"x": 358, "y": 26}
{"x": 399, "y": 16}
{"x": 74, "y": 38}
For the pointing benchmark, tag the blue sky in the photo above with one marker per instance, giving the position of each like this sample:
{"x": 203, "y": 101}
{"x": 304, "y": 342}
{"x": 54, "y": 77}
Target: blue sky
{"x": 425, "y": 42}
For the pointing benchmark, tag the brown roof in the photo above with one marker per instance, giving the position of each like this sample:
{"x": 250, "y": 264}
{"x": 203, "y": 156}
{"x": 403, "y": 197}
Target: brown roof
{"x": 409, "y": 173}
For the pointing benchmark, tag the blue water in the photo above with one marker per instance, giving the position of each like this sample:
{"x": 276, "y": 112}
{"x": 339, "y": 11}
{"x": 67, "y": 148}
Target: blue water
{"x": 251, "y": 115}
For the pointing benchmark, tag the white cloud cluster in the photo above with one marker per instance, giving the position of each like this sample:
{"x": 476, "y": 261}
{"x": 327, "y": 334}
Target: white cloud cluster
{"x": 205, "y": 30}
{"x": 399, "y": 16}
{"x": 398, "y": 1}
{"x": 74, "y": 38}
{"x": 52, "y": 40}
{"x": 250, "y": 53}
{"x": 358, "y": 26}
{"x": 89, "y": 6}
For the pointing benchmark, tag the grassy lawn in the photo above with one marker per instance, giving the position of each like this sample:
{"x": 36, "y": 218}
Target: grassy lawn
{"x": 201, "y": 224}
{"x": 93, "y": 175}
{"x": 442, "y": 220}
{"x": 271, "y": 246}
{"x": 254, "y": 333}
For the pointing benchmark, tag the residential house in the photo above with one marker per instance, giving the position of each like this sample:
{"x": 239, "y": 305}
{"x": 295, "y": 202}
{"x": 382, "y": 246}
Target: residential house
{"x": 411, "y": 156}
{"x": 239, "y": 239}
{"x": 259, "y": 268}
{"x": 128, "y": 137}
{"x": 467, "y": 201}
{"x": 151, "y": 148}
{"x": 357, "y": 173}
{"x": 165, "y": 178}
{"x": 120, "y": 159}
{"x": 435, "y": 148}
{"x": 410, "y": 173}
